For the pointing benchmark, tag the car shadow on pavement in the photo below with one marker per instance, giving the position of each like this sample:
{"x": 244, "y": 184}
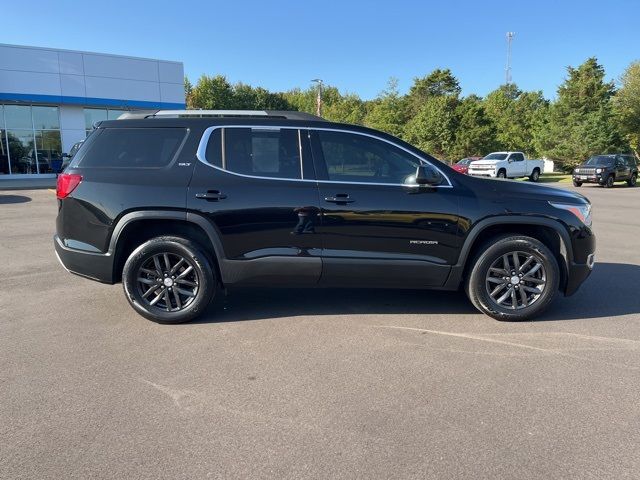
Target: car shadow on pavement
{"x": 7, "y": 199}
{"x": 264, "y": 303}
{"x": 612, "y": 290}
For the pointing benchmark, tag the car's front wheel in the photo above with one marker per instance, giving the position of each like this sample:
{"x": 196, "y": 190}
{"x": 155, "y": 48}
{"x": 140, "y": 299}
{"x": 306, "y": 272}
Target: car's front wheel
{"x": 168, "y": 280}
{"x": 577, "y": 184}
{"x": 502, "y": 174}
{"x": 609, "y": 182}
{"x": 513, "y": 278}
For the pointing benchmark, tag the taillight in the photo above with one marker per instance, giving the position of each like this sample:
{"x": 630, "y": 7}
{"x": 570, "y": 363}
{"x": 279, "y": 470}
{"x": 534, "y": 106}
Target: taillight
{"x": 67, "y": 183}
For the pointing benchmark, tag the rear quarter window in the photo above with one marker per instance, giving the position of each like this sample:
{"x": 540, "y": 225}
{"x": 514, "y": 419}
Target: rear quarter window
{"x": 131, "y": 148}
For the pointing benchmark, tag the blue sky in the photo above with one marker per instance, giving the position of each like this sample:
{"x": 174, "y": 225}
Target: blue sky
{"x": 353, "y": 45}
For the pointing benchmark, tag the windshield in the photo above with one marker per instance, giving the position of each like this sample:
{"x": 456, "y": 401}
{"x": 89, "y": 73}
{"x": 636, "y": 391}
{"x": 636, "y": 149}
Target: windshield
{"x": 496, "y": 156}
{"x": 600, "y": 160}
{"x": 464, "y": 161}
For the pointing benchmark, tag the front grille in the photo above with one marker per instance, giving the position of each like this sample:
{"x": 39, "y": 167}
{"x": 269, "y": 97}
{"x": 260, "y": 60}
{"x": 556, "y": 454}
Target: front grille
{"x": 586, "y": 171}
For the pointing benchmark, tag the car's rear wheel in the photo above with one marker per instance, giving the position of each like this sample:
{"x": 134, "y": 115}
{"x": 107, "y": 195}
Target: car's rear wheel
{"x": 513, "y": 278}
{"x": 535, "y": 175}
{"x": 168, "y": 280}
{"x": 609, "y": 181}
{"x": 633, "y": 180}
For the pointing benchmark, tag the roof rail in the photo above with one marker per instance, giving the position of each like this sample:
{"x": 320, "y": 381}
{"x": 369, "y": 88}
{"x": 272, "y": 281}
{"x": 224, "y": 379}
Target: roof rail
{"x": 141, "y": 114}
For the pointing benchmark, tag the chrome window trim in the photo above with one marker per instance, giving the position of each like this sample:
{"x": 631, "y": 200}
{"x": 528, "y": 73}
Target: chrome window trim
{"x": 204, "y": 140}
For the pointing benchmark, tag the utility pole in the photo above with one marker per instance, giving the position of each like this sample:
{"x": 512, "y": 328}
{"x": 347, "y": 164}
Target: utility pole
{"x": 508, "y": 69}
{"x": 318, "y": 81}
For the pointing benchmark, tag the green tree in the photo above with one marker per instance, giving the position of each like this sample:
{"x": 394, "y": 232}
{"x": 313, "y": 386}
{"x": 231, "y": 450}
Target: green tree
{"x": 475, "y": 133}
{"x": 437, "y": 83}
{"x": 211, "y": 93}
{"x": 514, "y": 114}
{"x": 433, "y": 127}
{"x": 627, "y": 105}
{"x": 581, "y": 120}
{"x": 387, "y": 112}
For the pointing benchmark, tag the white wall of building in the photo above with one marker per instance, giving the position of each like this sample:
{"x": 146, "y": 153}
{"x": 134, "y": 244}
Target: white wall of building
{"x": 74, "y": 81}
{"x": 33, "y": 73}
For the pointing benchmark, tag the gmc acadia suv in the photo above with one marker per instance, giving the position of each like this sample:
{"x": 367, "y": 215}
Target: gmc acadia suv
{"x": 180, "y": 204}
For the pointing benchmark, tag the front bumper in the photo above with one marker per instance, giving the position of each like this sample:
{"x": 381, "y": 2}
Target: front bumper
{"x": 578, "y": 273}
{"x": 96, "y": 266}
{"x": 483, "y": 173}
{"x": 597, "y": 178}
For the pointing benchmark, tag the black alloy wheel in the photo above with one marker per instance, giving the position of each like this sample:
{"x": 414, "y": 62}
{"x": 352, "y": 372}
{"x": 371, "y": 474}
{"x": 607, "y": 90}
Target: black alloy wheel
{"x": 169, "y": 280}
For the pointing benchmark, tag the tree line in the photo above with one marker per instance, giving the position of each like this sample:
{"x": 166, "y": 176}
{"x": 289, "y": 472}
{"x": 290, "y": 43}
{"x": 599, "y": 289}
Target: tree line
{"x": 588, "y": 116}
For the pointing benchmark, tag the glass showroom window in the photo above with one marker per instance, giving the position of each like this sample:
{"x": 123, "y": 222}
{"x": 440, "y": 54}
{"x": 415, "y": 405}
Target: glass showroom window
{"x": 4, "y": 148}
{"x": 46, "y": 123}
{"x": 33, "y": 142}
{"x": 93, "y": 115}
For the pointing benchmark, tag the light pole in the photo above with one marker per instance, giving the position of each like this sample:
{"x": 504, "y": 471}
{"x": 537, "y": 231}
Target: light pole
{"x": 318, "y": 81}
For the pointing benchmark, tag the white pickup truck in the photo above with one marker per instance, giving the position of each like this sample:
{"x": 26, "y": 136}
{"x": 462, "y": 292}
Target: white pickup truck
{"x": 507, "y": 165}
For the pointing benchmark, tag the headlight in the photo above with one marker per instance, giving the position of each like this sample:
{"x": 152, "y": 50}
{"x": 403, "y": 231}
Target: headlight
{"x": 598, "y": 170}
{"x": 583, "y": 211}
{"x": 576, "y": 170}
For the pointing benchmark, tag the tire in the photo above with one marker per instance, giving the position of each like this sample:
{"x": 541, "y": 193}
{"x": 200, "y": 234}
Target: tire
{"x": 491, "y": 254}
{"x": 502, "y": 173}
{"x": 189, "y": 290}
{"x": 633, "y": 180}
{"x": 577, "y": 184}
{"x": 609, "y": 182}
{"x": 535, "y": 175}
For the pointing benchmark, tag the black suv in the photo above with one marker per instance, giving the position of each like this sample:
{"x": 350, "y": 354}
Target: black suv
{"x": 605, "y": 170}
{"x": 178, "y": 205}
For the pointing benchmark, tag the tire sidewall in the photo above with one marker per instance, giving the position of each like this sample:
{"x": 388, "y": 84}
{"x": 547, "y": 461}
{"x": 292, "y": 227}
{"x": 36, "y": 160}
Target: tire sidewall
{"x": 609, "y": 182}
{"x": 184, "y": 248}
{"x": 476, "y": 287}
{"x": 535, "y": 176}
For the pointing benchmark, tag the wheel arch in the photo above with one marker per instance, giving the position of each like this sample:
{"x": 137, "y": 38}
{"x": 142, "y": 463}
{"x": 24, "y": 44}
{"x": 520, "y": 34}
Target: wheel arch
{"x": 137, "y": 227}
{"x": 548, "y": 231}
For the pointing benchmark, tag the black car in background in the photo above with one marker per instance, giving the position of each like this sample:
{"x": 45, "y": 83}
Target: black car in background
{"x": 605, "y": 170}
{"x": 181, "y": 204}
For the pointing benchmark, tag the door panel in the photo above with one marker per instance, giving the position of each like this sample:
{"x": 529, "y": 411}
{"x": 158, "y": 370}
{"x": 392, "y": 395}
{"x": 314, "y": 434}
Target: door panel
{"x": 377, "y": 231}
{"x": 267, "y": 224}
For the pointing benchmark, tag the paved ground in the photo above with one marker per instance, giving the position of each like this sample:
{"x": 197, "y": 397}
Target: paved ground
{"x": 316, "y": 384}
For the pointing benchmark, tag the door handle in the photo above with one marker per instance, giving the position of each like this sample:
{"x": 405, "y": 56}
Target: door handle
{"x": 339, "y": 198}
{"x": 211, "y": 196}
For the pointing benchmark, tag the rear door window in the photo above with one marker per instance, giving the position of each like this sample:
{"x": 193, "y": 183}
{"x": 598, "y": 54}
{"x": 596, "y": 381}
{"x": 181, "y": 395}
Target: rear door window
{"x": 131, "y": 148}
{"x": 262, "y": 152}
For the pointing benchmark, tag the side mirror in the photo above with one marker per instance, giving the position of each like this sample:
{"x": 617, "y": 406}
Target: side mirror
{"x": 427, "y": 175}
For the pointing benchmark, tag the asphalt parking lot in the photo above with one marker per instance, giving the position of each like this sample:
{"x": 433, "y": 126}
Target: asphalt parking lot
{"x": 316, "y": 383}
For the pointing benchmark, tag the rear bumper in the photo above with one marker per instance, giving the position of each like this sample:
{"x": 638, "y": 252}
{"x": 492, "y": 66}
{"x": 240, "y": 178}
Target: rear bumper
{"x": 96, "y": 266}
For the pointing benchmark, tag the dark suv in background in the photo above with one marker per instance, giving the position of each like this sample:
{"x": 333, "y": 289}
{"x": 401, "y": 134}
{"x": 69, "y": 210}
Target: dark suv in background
{"x": 605, "y": 170}
{"x": 179, "y": 204}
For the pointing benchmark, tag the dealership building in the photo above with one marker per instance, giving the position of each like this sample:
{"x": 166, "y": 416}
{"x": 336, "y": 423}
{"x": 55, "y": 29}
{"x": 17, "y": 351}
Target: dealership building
{"x": 50, "y": 99}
